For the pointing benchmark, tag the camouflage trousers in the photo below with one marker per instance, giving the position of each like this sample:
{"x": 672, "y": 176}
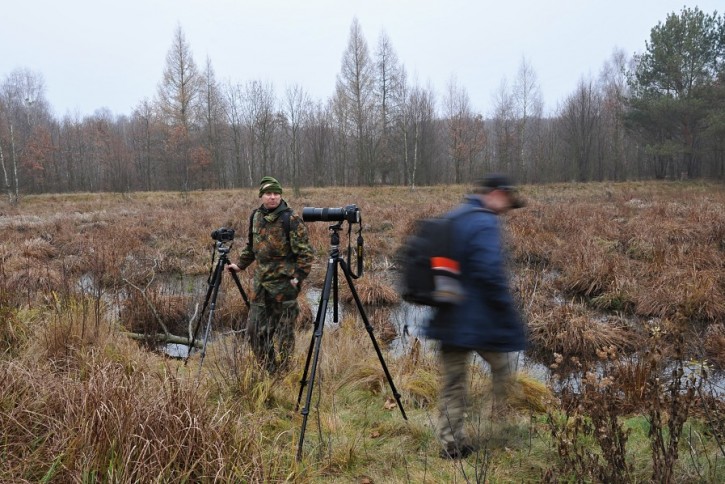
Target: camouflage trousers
{"x": 452, "y": 402}
{"x": 271, "y": 329}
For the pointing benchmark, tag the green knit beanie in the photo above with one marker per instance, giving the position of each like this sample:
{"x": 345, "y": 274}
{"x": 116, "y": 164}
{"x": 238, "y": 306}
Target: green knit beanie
{"x": 269, "y": 184}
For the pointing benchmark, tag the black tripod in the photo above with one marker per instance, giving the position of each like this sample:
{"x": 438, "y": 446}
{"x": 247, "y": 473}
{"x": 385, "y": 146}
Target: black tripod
{"x": 331, "y": 283}
{"x": 212, "y": 291}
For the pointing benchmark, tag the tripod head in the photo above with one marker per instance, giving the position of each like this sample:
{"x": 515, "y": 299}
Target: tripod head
{"x": 335, "y": 243}
{"x": 222, "y": 248}
{"x": 335, "y": 234}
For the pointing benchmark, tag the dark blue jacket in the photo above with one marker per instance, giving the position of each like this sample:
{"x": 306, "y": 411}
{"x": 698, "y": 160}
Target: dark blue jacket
{"x": 487, "y": 318}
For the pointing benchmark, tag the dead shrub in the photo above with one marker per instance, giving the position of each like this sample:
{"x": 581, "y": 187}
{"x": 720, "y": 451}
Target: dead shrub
{"x": 594, "y": 401}
{"x": 38, "y": 248}
{"x": 380, "y": 320}
{"x": 619, "y": 296}
{"x": 591, "y": 270}
{"x": 32, "y": 279}
{"x": 530, "y": 244}
{"x": 685, "y": 293}
{"x": 372, "y": 289}
{"x": 231, "y": 310}
{"x": 570, "y": 330}
{"x": 631, "y": 376}
{"x": 150, "y": 312}
{"x": 714, "y": 344}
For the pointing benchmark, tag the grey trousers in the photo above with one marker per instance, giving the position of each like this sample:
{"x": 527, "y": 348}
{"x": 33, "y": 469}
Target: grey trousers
{"x": 452, "y": 401}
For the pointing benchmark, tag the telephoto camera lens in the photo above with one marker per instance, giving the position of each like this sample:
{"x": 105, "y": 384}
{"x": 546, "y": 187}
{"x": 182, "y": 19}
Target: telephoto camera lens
{"x": 349, "y": 213}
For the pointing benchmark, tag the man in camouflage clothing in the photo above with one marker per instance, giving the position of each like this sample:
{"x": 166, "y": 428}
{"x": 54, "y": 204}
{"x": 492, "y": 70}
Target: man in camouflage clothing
{"x": 279, "y": 244}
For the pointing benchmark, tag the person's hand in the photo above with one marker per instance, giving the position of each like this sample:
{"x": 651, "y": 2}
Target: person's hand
{"x": 232, "y": 268}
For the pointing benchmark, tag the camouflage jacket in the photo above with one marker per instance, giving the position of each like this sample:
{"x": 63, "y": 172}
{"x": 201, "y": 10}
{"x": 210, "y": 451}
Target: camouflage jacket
{"x": 278, "y": 258}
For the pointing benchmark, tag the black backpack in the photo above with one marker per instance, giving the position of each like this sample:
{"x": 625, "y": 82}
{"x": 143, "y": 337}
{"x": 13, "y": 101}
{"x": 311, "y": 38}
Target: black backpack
{"x": 430, "y": 274}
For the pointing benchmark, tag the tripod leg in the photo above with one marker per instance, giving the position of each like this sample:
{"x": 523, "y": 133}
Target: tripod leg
{"x": 315, "y": 344}
{"x": 212, "y": 307}
{"x": 320, "y": 317}
{"x": 303, "y": 380}
{"x": 369, "y": 329}
{"x": 212, "y": 289}
{"x": 335, "y": 287}
{"x": 241, "y": 289}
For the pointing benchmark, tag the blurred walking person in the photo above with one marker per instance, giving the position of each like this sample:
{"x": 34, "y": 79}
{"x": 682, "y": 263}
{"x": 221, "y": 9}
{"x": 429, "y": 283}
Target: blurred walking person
{"x": 486, "y": 321}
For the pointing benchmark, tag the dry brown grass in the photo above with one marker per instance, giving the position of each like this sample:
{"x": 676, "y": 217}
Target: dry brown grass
{"x": 373, "y": 290}
{"x": 695, "y": 296}
{"x": 714, "y": 345}
{"x": 39, "y": 249}
{"x": 33, "y": 280}
{"x": 642, "y": 249}
{"x": 81, "y": 403}
{"x": 139, "y": 315}
{"x": 120, "y": 429}
{"x": 573, "y": 331}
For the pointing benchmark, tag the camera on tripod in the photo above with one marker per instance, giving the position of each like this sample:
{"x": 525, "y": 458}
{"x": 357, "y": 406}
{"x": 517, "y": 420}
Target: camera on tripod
{"x": 223, "y": 234}
{"x": 350, "y": 213}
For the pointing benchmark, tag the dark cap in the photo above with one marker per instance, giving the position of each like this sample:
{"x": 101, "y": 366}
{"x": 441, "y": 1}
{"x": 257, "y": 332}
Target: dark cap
{"x": 499, "y": 181}
{"x": 495, "y": 181}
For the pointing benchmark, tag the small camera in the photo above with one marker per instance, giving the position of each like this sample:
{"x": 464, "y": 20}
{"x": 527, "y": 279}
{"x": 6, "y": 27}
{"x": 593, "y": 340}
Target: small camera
{"x": 349, "y": 213}
{"x": 223, "y": 234}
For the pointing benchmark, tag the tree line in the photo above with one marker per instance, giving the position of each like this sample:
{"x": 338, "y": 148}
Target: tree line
{"x": 658, "y": 114}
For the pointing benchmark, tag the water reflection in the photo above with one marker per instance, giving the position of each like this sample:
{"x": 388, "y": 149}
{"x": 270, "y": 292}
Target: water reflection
{"x": 314, "y": 297}
{"x": 407, "y": 319}
{"x": 176, "y": 350}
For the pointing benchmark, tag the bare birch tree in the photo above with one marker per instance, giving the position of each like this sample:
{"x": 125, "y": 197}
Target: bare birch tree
{"x": 6, "y": 181}
{"x": 145, "y": 143}
{"x": 580, "y": 118}
{"x": 614, "y": 89}
{"x": 297, "y": 108}
{"x": 260, "y": 115}
{"x": 319, "y": 135}
{"x": 528, "y": 105}
{"x": 234, "y": 109}
{"x": 420, "y": 119}
{"x": 27, "y": 114}
{"x": 466, "y": 136}
{"x": 504, "y": 126}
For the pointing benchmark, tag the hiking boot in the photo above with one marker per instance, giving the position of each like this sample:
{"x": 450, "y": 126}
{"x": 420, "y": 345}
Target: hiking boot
{"x": 457, "y": 451}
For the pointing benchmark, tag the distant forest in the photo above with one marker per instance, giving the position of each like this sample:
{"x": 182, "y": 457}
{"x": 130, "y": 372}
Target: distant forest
{"x": 659, "y": 114}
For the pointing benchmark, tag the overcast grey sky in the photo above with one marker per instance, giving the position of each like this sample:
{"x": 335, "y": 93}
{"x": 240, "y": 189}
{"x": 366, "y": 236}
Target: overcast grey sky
{"x": 111, "y": 53}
